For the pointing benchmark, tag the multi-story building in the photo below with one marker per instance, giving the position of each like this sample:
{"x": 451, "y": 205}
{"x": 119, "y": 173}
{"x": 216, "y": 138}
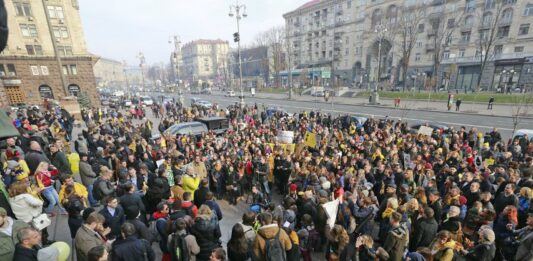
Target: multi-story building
{"x": 39, "y": 31}
{"x": 109, "y": 73}
{"x": 204, "y": 59}
{"x": 453, "y": 40}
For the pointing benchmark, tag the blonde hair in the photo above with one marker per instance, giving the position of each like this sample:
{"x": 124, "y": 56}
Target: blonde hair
{"x": 412, "y": 204}
{"x": 367, "y": 241}
{"x": 392, "y": 203}
{"x": 527, "y": 192}
{"x": 205, "y": 210}
{"x": 43, "y": 166}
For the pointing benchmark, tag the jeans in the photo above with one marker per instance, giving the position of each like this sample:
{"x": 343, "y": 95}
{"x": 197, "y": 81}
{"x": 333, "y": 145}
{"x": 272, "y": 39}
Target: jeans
{"x": 53, "y": 199}
{"x": 92, "y": 201}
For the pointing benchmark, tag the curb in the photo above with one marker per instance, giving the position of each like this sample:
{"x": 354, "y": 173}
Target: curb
{"x": 389, "y": 107}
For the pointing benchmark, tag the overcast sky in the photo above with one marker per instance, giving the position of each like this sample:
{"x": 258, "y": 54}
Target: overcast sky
{"x": 120, "y": 29}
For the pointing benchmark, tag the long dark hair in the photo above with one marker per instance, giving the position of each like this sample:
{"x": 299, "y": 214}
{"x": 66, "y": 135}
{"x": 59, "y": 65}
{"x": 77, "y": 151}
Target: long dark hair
{"x": 238, "y": 242}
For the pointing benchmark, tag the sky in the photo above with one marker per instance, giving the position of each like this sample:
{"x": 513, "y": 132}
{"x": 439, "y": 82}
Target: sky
{"x": 120, "y": 29}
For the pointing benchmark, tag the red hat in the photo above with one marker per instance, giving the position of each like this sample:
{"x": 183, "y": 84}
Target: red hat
{"x": 293, "y": 187}
{"x": 462, "y": 200}
{"x": 468, "y": 150}
{"x": 428, "y": 166}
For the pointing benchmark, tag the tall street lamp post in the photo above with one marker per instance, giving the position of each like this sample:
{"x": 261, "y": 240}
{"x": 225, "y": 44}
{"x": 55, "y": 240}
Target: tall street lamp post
{"x": 380, "y": 31}
{"x": 238, "y": 8}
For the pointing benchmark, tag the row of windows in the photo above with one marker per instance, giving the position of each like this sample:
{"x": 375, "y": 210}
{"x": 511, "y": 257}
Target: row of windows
{"x": 68, "y": 69}
{"x": 11, "y": 71}
{"x": 30, "y": 31}
{"x": 24, "y": 9}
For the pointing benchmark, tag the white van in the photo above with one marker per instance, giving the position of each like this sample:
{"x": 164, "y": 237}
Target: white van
{"x": 522, "y": 132}
{"x": 147, "y": 100}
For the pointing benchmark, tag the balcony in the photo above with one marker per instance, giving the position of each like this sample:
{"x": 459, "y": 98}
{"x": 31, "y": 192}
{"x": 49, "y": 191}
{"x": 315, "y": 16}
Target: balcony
{"x": 430, "y": 47}
{"x": 505, "y": 21}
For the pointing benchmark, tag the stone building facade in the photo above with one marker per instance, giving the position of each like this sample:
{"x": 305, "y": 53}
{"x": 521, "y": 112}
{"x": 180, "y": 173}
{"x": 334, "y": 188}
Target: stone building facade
{"x": 29, "y": 69}
{"x": 467, "y": 25}
{"x": 109, "y": 73}
{"x": 204, "y": 59}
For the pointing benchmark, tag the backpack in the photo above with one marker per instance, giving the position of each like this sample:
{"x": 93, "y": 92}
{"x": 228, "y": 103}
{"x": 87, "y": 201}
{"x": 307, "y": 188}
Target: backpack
{"x": 314, "y": 241}
{"x": 154, "y": 231}
{"x": 96, "y": 166}
{"x": 179, "y": 248}
{"x": 97, "y": 193}
{"x": 274, "y": 250}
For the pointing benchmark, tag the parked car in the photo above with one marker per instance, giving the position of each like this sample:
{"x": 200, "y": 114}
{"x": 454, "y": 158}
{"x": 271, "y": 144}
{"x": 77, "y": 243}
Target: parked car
{"x": 218, "y": 125}
{"x": 204, "y": 104}
{"x": 434, "y": 125}
{"x": 127, "y": 103}
{"x": 230, "y": 93}
{"x": 19, "y": 106}
{"x": 270, "y": 111}
{"x": 104, "y": 102}
{"x": 187, "y": 128}
{"x": 522, "y": 132}
{"x": 147, "y": 100}
{"x": 357, "y": 120}
{"x": 318, "y": 94}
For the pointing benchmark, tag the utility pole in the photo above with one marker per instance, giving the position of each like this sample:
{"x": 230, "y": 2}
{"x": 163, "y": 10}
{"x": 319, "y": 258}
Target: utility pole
{"x": 56, "y": 52}
{"x": 141, "y": 64}
{"x": 289, "y": 71}
{"x": 238, "y": 17}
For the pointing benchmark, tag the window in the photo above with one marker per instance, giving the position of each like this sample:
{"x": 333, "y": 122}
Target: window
{"x": 509, "y": 2}
{"x": 417, "y": 57}
{"x": 451, "y": 23}
{"x": 2, "y": 70}
{"x": 34, "y": 70}
{"x": 56, "y": 12}
{"x": 11, "y": 70}
{"x": 465, "y": 37}
{"x": 29, "y": 30}
{"x": 421, "y": 28}
{"x": 349, "y": 4}
{"x": 519, "y": 49}
{"x": 60, "y": 32}
{"x": 23, "y": 9}
{"x": 64, "y": 50}
{"x": 503, "y": 31}
{"x": 507, "y": 15}
{"x": 419, "y": 44}
{"x": 528, "y": 11}
{"x": 478, "y": 53}
{"x": 44, "y": 70}
{"x": 489, "y": 4}
{"x": 462, "y": 53}
{"x": 446, "y": 55}
{"x": 487, "y": 19}
{"x": 469, "y": 21}
{"x": 449, "y": 40}
{"x": 470, "y": 6}
{"x": 498, "y": 49}
{"x": 376, "y": 17}
{"x": 484, "y": 34}
{"x": 65, "y": 69}
{"x": 524, "y": 29}
{"x": 74, "y": 69}
{"x": 34, "y": 49}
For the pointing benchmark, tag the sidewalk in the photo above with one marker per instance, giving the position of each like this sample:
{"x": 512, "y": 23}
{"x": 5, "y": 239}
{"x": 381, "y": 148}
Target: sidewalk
{"x": 501, "y": 110}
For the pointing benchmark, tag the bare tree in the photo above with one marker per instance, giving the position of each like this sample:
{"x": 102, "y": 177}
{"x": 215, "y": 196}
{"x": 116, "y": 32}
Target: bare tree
{"x": 274, "y": 38}
{"x": 407, "y": 30}
{"x": 442, "y": 27}
{"x": 522, "y": 106}
{"x": 489, "y": 19}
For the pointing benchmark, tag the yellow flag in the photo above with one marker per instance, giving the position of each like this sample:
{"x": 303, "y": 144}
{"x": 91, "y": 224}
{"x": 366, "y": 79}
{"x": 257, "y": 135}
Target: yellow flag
{"x": 310, "y": 139}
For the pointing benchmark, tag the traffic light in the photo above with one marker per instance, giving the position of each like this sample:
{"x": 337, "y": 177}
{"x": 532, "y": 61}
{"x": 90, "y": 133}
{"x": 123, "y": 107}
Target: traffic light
{"x": 236, "y": 37}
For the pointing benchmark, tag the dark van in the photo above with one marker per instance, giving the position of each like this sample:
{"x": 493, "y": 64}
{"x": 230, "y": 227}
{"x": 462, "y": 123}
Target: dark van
{"x": 218, "y": 125}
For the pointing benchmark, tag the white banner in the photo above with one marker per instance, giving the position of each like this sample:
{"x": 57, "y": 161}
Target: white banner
{"x": 286, "y": 137}
{"x": 331, "y": 209}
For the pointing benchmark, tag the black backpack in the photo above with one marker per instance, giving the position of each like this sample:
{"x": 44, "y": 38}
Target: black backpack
{"x": 274, "y": 250}
{"x": 179, "y": 248}
{"x": 97, "y": 193}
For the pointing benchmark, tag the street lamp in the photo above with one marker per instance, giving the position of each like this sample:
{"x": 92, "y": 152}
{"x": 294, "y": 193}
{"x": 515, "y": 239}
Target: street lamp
{"x": 380, "y": 30}
{"x": 238, "y": 16}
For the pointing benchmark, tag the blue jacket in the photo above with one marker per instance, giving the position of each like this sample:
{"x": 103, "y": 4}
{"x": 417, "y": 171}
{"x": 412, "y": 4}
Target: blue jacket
{"x": 213, "y": 205}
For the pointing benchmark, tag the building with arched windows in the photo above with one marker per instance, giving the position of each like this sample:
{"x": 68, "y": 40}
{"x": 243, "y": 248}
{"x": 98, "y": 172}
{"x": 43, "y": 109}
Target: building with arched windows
{"x": 464, "y": 45}
{"x": 38, "y": 31}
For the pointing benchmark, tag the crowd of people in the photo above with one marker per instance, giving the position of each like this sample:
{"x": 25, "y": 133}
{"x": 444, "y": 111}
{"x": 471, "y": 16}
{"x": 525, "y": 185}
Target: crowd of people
{"x": 128, "y": 194}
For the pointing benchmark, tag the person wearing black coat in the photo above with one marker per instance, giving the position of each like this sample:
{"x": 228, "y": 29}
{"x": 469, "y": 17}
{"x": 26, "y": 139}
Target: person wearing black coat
{"x": 207, "y": 236}
{"x": 130, "y": 248}
{"x": 424, "y": 230}
{"x": 29, "y": 245}
{"x": 200, "y": 195}
{"x": 158, "y": 189}
{"x": 60, "y": 161}
{"x": 73, "y": 205}
{"x": 114, "y": 215}
{"x": 133, "y": 216}
{"x": 131, "y": 198}
{"x": 35, "y": 156}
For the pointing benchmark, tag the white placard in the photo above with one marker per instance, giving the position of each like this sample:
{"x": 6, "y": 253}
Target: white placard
{"x": 331, "y": 209}
{"x": 425, "y": 130}
{"x": 286, "y": 137}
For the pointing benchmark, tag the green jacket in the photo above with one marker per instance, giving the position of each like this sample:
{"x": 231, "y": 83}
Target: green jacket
{"x": 7, "y": 243}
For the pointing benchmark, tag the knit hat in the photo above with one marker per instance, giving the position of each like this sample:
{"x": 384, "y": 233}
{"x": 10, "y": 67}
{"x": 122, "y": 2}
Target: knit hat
{"x": 489, "y": 235}
{"x": 462, "y": 200}
{"x": 48, "y": 254}
{"x": 293, "y": 187}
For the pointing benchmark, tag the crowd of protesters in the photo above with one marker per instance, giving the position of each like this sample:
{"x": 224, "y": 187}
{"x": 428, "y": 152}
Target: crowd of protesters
{"x": 454, "y": 195}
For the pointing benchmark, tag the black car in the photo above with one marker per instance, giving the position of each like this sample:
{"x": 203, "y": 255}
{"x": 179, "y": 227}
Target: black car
{"x": 218, "y": 125}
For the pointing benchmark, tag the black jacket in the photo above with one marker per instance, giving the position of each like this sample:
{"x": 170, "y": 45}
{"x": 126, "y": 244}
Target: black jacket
{"x": 482, "y": 252}
{"x": 33, "y": 158}
{"x": 132, "y": 199}
{"x": 114, "y": 222}
{"x": 207, "y": 236}
{"x": 132, "y": 249}
{"x": 424, "y": 230}
{"x": 60, "y": 161}
{"x": 200, "y": 196}
{"x": 452, "y": 224}
{"x": 24, "y": 254}
{"x": 141, "y": 229}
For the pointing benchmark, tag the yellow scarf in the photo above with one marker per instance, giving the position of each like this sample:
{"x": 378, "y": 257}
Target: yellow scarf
{"x": 387, "y": 213}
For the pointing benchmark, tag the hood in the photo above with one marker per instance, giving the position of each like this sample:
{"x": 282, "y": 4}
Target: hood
{"x": 268, "y": 231}
{"x": 186, "y": 204}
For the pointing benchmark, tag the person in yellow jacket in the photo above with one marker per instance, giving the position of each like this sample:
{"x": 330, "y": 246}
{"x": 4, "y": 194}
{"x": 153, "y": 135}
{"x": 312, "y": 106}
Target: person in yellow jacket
{"x": 190, "y": 182}
{"x": 79, "y": 189}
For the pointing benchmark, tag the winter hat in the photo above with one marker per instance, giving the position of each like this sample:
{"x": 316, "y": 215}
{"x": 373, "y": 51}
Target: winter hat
{"x": 462, "y": 200}
{"x": 131, "y": 212}
{"x": 293, "y": 187}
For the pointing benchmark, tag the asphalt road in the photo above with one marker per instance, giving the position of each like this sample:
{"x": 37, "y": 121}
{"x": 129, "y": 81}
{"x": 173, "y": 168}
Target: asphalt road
{"x": 484, "y": 123}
